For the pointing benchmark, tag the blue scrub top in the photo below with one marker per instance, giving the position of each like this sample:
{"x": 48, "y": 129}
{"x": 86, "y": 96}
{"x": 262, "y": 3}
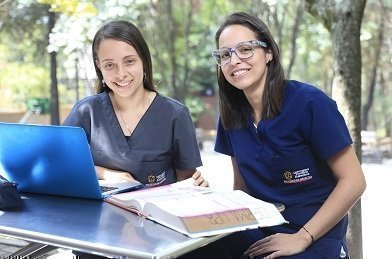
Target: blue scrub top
{"x": 284, "y": 159}
{"x": 163, "y": 140}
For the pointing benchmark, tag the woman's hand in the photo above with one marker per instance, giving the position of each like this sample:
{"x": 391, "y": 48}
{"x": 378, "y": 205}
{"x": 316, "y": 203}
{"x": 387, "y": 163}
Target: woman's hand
{"x": 199, "y": 180}
{"x": 196, "y": 176}
{"x": 280, "y": 244}
{"x": 113, "y": 175}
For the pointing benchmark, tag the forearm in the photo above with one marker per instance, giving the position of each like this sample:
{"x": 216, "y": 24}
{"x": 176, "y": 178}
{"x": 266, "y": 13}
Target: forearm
{"x": 100, "y": 171}
{"x": 104, "y": 173}
{"x": 334, "y": 208}
{"x": 184, "y": 174}
{"x": 350, "y": 186}
{"x": 238, "y": 183}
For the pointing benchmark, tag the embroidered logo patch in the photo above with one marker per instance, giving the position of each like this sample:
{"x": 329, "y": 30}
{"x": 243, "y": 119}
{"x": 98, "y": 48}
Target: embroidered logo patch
{"x": 156, "y": 180}
{"x": 296, "y": 176}
{"x": 151, "y": 178}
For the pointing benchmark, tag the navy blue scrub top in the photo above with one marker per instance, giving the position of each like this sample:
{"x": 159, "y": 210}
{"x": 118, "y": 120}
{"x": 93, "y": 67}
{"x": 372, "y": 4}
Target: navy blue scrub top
{"x": 163, "y": 140}
{"x": 283, "y": 160}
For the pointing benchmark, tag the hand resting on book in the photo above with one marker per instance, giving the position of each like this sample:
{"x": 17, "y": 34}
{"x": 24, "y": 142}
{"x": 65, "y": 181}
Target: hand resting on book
{"x": 199, "y": 180}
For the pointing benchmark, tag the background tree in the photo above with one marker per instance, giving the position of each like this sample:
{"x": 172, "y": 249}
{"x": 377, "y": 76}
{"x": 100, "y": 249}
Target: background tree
{"x": 181, "y": 34}
{"x": 377, "y": 48}
{"x": 23, "y": 43}
{"x": 343, "y": 20}
{"x": 183, "y": 67}
{"x": 373, "y": 71}
{"x": 54, "y": 97}
{"x": 69, "y": 8}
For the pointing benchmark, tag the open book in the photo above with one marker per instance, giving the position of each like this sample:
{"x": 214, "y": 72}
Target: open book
{"x": 199, "y": 211}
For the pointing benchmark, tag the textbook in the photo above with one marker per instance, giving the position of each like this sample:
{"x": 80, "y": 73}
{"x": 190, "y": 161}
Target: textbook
{"x": 199, "y": 211}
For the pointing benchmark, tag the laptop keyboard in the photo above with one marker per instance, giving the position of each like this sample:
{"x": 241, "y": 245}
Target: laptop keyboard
{"x": 107, "y": 188}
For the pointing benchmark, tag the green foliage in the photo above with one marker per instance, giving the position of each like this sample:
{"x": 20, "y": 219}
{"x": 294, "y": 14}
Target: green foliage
{"x": 71, "y": 7}
{"x": 376, "y": 26}
{"x": 314, "y": 55}
{"x": 25, "y": 44}
{"x": 20, "y": 81}
{"x": 24, "y": 31}
{"x": 196, "y": 107}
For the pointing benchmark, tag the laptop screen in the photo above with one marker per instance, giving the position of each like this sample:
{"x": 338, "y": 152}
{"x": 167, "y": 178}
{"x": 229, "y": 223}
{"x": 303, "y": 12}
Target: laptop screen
{"x": 48, "y": 159}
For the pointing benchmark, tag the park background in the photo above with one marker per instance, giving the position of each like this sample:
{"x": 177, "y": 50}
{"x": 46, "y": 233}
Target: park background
{"x": 342, "y": 47}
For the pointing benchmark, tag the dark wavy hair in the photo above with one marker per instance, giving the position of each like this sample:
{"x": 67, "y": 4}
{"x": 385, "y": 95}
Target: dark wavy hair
{"x": 129, "y": 33}
{"x": 233, "y": 104}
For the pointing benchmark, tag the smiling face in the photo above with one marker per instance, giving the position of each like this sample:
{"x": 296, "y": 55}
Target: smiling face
{"x": 246, "y": 74}
{"x": 121, "y": 67}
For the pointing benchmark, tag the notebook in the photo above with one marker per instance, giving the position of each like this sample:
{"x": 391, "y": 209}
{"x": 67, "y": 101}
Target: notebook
{"x": 52, "y": 160}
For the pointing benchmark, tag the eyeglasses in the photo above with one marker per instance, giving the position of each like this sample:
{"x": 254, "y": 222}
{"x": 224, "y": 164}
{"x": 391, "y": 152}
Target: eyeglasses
{"x": 243, "y": 50}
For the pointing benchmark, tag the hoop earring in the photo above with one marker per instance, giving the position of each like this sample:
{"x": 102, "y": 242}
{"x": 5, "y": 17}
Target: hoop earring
{"x": 144, "y": 76}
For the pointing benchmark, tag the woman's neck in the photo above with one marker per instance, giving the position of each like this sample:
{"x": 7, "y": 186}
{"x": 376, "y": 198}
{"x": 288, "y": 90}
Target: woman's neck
{"x": 130, "y": 110}
{"x": 133, "y": 102}
{"x": 254, "y": 97}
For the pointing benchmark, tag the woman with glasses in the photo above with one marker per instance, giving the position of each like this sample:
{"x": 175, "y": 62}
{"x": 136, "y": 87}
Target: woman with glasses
{"x": 288, "y": 144}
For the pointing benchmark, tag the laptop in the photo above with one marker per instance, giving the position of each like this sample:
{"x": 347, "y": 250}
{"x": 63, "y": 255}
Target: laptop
{"x": 53, "y": 160}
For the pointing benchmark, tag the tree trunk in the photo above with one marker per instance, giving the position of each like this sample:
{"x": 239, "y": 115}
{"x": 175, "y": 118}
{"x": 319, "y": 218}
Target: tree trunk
{"x": 54, "y": 96}
{"x": 343, "y": 20}
{"x": 185, "y": 79}
{"x": 384, "y": 106}
{"x": 294, "y": 37}
{"x": 373, "y": 77}
{"x": 172, "y": 48}
{"x": 346, "y": 90}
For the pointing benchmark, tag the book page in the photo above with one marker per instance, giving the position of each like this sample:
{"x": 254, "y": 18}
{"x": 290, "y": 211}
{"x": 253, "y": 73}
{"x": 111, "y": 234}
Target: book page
{"x": 191, "y": 202}
{"x": 185, "y": 183}
{"x": 207, "y": 212}
{"x": 266, "y": 213}
{"x": 201, "y": 211}
{"x": 204, "y": 224}
{"x": 121, "y": 200}
{"x": 137, "y": 199}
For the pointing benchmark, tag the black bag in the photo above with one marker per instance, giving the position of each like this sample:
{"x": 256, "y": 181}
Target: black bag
{"x": 10, "y": 198}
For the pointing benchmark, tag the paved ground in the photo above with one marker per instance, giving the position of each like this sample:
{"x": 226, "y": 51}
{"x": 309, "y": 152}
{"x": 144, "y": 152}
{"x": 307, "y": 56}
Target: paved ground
{"x": 375, "y": 204}
{"x": 376, "y": 211}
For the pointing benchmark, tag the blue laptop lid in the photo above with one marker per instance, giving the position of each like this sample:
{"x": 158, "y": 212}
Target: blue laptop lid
{"x": 48, "y": 159}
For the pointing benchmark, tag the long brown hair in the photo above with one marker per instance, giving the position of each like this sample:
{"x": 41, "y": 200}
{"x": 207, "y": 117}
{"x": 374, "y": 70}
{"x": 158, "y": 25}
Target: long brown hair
{"x": 232, "y": 101}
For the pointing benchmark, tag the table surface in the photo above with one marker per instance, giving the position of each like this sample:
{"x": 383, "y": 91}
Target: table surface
{"x": 94, "y": 226}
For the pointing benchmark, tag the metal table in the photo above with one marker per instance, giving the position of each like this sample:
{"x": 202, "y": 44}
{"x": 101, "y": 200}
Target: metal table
{"x": 95, "y": 227}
